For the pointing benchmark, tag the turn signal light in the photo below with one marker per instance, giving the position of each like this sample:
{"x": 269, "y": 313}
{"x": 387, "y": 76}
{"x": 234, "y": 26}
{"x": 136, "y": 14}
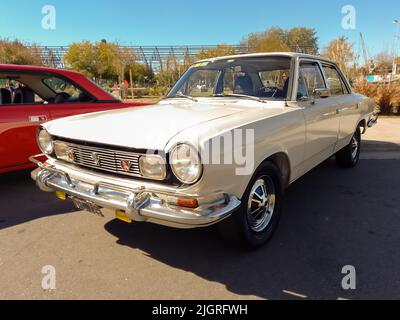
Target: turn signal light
{"x": 187, "y": 203}
{"x": 183, "y": 202}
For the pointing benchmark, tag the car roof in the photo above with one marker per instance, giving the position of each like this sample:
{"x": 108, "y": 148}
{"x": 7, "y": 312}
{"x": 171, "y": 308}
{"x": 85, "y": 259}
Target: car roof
{"x": 78, "y": 78}
{"x": 35, "y": 68}
{"x": 269, "y": 54}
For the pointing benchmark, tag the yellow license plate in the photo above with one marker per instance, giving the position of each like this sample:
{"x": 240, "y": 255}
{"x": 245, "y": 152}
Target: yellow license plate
{"x": 121, "y": 215}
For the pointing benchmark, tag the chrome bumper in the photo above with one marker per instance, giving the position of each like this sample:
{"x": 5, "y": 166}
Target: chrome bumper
{"x": 373, "y": 120}
{"x": 139, "y": 204}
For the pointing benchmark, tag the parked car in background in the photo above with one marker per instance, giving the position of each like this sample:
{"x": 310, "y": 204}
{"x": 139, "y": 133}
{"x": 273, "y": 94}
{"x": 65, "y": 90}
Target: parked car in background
{"x": 153, "y": 164}
{"x": 30, "y": 96}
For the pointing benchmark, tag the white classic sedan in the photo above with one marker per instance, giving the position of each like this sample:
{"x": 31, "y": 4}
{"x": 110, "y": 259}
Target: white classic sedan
{"x": 222, "y": 147}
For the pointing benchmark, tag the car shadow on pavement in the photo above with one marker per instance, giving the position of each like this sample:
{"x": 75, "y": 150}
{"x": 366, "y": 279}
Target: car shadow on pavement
{"x": 379, "y": 146}
{"x": 22, "y": 201}
{"x": 333, "y": 217}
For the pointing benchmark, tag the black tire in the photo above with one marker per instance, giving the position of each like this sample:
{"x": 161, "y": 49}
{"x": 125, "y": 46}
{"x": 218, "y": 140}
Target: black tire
{"x": 238, "y": 229}
{"x": 348, "y": 157}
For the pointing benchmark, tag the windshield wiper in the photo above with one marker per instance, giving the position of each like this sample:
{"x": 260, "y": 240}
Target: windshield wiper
{"x": 181, "y": 95}
{"x": 245, "y": 96}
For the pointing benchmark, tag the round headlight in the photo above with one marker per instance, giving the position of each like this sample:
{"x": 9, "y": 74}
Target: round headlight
{"x": 186, "y": 163}
{"x": 45, "y": 142}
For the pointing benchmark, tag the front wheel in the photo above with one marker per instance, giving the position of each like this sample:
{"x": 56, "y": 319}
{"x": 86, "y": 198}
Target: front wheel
{"x": 349, "y": 156}
{"x": 255, "y": 222}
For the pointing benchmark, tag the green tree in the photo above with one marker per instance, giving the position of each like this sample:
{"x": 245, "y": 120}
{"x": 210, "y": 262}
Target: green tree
{"x": 16, "y": 52}
{"x": 109, "y": 62}
{"x": 100, "y": 60}
{"x": 270, "y": 40}
{"x": 279, "y": 40}
{"x": 141, "y": 74}
{"x": 341, "y": 52}
{"x": 302, "y": 37}
{"x": 164, "y": 78}
{"x": 83, "y": 57}
{"x": 219, "y": 51}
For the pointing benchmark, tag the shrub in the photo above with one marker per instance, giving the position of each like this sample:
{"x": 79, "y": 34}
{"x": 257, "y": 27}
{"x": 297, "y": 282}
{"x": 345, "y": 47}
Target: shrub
{"x": 387, "y": 96}
{"x": 16, "y": 52}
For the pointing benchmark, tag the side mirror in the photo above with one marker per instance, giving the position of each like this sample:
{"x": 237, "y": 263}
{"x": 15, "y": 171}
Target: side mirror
{"x": 321, "y": 93}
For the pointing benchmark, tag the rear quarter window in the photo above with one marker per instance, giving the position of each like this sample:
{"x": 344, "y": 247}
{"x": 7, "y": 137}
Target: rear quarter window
{"x": 334, "y": 81}
{"x": 59, "y": 85}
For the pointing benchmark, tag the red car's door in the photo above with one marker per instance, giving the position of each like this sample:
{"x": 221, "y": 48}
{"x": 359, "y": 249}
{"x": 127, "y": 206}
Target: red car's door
{"x": 68, "y": 109}
{"x": 18, "y": 124}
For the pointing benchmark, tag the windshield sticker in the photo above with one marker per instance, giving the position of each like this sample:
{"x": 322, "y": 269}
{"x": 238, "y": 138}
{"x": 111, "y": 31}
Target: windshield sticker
{"x": 201, "y": 64}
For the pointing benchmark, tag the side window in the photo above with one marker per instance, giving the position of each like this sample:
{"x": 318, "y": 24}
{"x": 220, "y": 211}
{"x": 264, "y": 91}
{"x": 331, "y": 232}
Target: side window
{"x": 335, "y": 82}
{"x": 275, "y": 78}
{"x": 14, "y": 92}
{"x": 310, "y": 78}
{"x": 65, "y": 90}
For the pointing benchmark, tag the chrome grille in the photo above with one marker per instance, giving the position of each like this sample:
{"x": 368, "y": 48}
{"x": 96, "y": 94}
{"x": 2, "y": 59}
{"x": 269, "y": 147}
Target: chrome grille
{"x": 106, "y": 159}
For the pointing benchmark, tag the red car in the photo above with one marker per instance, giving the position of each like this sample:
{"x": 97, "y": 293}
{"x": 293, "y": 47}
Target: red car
{"x": 30, "y": 96}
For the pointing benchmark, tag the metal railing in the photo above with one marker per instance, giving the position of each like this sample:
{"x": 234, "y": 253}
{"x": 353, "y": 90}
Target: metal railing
{"x": 155, "y": 57}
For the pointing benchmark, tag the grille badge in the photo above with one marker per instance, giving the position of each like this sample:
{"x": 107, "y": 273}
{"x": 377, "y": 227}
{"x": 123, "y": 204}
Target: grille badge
{"x": 96, "y": 158}
{"x": 126, "y": 165}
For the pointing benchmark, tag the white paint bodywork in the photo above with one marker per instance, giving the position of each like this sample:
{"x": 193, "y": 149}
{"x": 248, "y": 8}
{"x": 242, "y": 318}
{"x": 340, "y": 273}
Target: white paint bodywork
{"x": 299, "y": 134}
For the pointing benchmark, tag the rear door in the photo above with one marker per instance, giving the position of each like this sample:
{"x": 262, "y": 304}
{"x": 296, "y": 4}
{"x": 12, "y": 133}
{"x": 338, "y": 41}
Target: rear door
{"x": 322, "y": 122}
{"x": 347, "y": 104}
{"x": 18, "y": 125}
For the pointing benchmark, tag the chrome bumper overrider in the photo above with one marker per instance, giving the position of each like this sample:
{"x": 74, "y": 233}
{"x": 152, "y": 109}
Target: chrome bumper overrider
{"x": 373, "y": 120}
{"x": 139, "y": 204}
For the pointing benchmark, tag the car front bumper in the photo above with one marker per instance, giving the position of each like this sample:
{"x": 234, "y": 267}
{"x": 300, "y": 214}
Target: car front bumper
{"x": 139, "y": 203}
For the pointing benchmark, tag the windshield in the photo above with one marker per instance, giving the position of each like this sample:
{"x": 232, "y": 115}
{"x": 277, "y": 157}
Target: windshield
{"x": 261, "y": 77}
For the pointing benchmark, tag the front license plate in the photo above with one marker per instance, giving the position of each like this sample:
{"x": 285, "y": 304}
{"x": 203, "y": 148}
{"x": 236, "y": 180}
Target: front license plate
{"x": 120, "y": 215}
{"x": 88, "y": 206}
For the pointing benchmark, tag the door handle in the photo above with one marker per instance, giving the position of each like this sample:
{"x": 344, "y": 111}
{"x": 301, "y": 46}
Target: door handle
{"x": 337, "y": 111}
{"x": 34, "y": 119}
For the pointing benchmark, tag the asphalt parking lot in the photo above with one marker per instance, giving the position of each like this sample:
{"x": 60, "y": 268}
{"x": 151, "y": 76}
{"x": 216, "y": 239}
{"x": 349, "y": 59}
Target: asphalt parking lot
{"x": 333, "y": 217}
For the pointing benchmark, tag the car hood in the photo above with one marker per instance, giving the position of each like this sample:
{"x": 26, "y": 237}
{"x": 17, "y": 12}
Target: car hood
{"x": 148, "y": 127}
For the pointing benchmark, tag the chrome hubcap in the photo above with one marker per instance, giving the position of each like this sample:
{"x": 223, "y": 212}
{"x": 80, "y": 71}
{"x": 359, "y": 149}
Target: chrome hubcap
{"x": 354, "y": 147}
{"x": 261, "y": 205}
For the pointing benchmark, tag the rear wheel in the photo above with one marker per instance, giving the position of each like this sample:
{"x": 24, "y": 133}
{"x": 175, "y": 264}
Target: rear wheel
{"x": 349, "y": 156}
{"x": 255, "y": 222}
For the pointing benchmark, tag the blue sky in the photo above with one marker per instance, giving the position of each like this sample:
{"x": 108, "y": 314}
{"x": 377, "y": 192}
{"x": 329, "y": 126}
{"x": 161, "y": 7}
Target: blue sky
{"x": 178, "y": 22}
